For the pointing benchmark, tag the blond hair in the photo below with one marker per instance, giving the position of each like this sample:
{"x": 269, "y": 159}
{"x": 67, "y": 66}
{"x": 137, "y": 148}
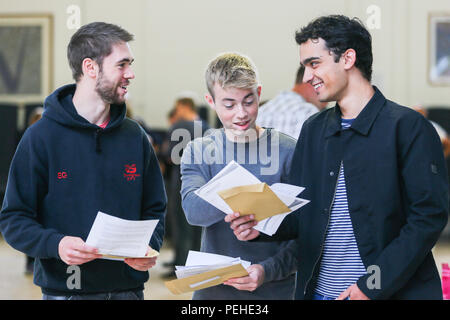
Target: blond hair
{"x": 231, "y": 70}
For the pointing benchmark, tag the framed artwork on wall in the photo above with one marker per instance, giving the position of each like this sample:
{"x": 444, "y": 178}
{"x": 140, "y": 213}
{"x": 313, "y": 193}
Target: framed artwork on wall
{"x": 26, "y": 57}
{"x": 439, "y": 49}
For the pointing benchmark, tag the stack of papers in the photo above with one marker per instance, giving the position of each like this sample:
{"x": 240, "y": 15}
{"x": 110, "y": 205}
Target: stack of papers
{"x": 203, "y": 270}
{"x": 117, "y": 239}
{"x": 235, "y": 189}
{"x": 199, "y": 262}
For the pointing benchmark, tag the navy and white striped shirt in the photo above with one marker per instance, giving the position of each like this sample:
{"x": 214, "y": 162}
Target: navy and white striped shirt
{"x": 341, "y": 264}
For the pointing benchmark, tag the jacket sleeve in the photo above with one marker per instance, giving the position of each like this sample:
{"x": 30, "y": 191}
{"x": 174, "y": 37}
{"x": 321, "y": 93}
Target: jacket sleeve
{"x": 193, "y": 176}
{"x": 283, "y": 264}
{"x": 154, "y": 200}
{"x": 288, "y": 230}
{"x": 425, "y": 191}
{"x": 26, "y": 188}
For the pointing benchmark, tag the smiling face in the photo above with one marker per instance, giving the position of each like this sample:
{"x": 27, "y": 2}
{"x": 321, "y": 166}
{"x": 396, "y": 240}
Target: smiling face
{"x": 236, "y": 108}
{"x": 115, "y": 74}
{"x": 328, "y": 77}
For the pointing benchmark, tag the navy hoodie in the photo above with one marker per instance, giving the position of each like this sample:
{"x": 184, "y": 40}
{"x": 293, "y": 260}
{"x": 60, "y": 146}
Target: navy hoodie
{"x": 64, "y": 171}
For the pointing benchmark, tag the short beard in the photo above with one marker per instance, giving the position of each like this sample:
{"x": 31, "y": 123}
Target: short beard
{"x": 107, "y": 91}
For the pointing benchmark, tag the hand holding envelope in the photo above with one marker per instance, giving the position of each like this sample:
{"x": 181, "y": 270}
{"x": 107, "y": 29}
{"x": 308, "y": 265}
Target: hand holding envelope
{"x": 257, "y": 199}
{"x": 251, "y": 282}
{"x": 242, "y": 226}
{"x": 204, "y": 270}
{"x": 235, "y": 189}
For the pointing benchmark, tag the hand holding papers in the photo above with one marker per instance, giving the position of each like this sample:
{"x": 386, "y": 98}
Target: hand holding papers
{"x": 257, "y": 199}
{"x": 118, "y": 239}
{"x": 235, "y": 189}
{"x": 204, "y": 270}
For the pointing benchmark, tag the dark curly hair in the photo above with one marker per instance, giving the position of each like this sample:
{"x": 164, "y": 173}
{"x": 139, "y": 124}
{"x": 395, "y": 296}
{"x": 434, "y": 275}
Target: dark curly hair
{"x": 341, "y": 33}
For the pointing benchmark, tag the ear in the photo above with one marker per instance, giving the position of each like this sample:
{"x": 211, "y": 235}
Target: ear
{"x": 258, "y": 90}
{"x": 210, "y": 100}
{"x": 349, "y": 57}
{"x": 90, "y": 68}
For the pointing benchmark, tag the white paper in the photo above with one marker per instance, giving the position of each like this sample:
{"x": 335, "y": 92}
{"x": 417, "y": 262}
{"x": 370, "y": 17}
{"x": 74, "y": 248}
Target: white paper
{"x": 288, "y": 189}
{"x": 234, "y": 175}
{"x": 198, "y": 262}
{"x": 119, "y": 237}
{"x": 287, "y": 194}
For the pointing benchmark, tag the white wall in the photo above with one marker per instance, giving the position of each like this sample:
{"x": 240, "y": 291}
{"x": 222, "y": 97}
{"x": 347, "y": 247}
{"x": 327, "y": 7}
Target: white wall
{"x": 419, "y": 88}
{"x": 176, "y": 39}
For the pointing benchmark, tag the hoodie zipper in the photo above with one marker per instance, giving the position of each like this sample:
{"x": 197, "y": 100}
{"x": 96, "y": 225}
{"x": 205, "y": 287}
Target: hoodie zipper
{"x": 326, "y": 229}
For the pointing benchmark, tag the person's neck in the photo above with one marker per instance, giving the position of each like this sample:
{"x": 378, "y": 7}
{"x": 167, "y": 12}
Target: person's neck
{"x": 355, "y": 97}
{"x": 89, "y": 105}
{"x": 249, "y": 135}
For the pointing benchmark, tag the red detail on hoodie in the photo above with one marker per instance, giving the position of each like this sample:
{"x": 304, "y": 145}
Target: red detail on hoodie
{"x": 130, "y": 172}
{"x": 62, "y": 175}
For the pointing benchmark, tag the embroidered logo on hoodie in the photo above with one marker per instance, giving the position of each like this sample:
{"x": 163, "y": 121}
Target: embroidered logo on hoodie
{"x": 130, "y": 172}
{"x": 62, "y": 175}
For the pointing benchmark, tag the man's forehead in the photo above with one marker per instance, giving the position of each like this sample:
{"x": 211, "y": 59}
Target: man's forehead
{"x": 313, "y": 48}
{"x": 121, "y": 52}
{"x": 316, "y": 42}
{"x": 231, "y": 93}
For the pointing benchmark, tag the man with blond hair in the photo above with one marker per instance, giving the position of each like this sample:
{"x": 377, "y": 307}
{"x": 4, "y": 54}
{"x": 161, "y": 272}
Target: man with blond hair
{"x": 234, "y": 93}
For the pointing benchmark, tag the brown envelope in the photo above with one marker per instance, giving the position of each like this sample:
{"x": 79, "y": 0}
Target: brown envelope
{"x": 206, "y": 279}
{"x": 257, "y": 199}
{"x": 150, "y": 254}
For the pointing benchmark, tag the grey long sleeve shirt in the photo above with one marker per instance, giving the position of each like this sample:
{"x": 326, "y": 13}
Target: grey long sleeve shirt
{"x": 269, "y": 159}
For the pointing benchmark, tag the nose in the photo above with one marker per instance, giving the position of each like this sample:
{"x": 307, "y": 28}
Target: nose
{"x": 129, "y": 74}
{"x": 241, "y": 112}
{"x": 308, "y": 75}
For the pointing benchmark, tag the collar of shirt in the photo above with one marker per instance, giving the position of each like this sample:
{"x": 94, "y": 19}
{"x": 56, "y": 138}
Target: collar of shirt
{"x": 363, "y": 121}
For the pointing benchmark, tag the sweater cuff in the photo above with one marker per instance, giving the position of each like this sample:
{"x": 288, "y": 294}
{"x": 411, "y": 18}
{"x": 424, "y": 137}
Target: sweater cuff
{"x": 268, "y": 271}
{"x": 53, "y": 245}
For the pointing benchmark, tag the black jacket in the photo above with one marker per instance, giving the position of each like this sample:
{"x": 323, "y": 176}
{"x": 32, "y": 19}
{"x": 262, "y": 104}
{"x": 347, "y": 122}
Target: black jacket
{"x": 397, "y": 192}
{"x": 64, "y": 171}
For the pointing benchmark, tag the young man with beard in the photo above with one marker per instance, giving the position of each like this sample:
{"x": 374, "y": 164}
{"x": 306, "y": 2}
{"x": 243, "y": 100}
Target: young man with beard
{"x": 375, "y": 174}
{"x": 82, "y": 157}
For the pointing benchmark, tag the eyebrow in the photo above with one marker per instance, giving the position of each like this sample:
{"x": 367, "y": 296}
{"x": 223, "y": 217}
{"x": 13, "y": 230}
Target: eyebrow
{"x": 125, "y": 60}
{"x": 230, "y": 99}
{"x": 308, "y": 60}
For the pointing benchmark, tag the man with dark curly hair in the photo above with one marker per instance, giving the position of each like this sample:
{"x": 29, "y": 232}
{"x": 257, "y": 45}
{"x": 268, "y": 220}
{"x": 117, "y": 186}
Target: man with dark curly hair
{"x": 375, "y": 174}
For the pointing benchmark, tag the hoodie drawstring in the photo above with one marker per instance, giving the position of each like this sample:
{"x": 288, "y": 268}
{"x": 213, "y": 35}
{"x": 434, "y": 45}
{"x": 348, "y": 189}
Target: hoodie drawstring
{"x": 98, "y": 148}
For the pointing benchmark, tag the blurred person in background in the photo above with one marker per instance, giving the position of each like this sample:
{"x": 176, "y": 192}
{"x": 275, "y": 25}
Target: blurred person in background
{"x": 34, "y": 116}
{"x": 443, "y": 135}
{"x": 186, "y": 126}
{"x": 289, "y": 109}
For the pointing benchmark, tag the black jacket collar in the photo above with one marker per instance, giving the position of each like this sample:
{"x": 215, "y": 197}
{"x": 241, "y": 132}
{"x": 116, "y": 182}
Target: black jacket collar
{"x": 363, "y": 121}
